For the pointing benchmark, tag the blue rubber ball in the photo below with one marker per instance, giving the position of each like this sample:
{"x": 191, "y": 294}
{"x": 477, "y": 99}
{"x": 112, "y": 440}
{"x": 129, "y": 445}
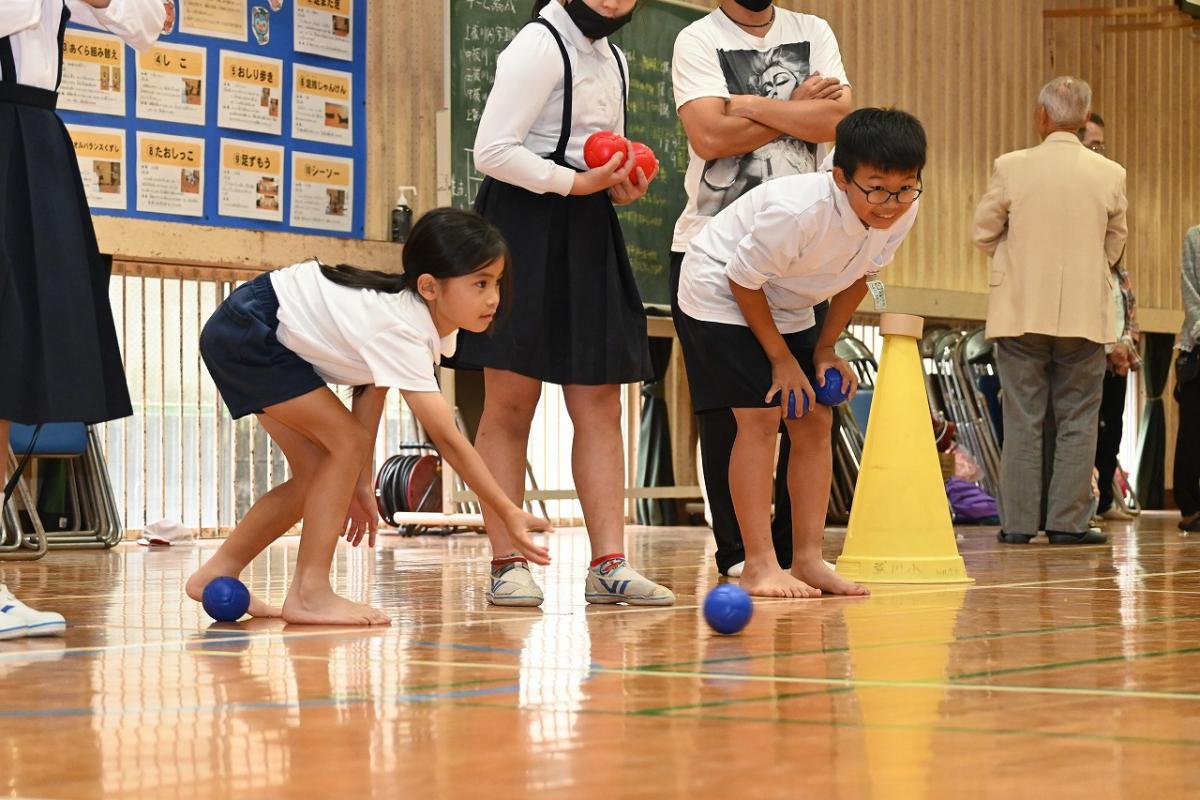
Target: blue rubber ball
{"x": 791, "y": 406}
{"x": 831, "y": 394}
{"x": 226, "y": 599}
{"x": 727, "y": 608}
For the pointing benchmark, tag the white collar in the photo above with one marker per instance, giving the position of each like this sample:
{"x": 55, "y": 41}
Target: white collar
{"x": 841, "y": 203}
{"x": 556, "y": 15}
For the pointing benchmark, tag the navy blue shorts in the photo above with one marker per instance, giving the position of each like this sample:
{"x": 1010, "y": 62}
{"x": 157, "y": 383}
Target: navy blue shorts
{"x": 727, "y": 367}
{"x": 251, "y": 369}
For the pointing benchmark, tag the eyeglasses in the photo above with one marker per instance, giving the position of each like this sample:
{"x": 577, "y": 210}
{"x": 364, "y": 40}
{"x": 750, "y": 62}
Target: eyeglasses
{"x": 878, "y": 197}
{"x": 1096, "y": 147}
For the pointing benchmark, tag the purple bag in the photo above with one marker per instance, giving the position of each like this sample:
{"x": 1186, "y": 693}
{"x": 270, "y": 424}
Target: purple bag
{"x": 970, "y": 504}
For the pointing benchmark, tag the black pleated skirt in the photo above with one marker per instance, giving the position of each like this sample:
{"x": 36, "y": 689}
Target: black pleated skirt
{"x": 59, "y": 357}
{"x": 574, "y": 314}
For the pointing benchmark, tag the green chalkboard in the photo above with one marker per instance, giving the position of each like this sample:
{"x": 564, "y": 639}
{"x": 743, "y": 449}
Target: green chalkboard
{"x": 480, "y": 29}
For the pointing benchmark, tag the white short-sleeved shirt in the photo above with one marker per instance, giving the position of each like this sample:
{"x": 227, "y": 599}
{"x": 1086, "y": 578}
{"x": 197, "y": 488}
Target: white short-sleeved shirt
{"x": 522, "y": 118}
{"x": 33, "y": 26}
{"x": 797, "y": 239}
{"x": 357, "y": 337}
{"x": 715, "y": 58}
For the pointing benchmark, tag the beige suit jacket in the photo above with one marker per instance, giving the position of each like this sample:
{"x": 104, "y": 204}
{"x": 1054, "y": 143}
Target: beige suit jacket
{"x": 1053, "y": 220}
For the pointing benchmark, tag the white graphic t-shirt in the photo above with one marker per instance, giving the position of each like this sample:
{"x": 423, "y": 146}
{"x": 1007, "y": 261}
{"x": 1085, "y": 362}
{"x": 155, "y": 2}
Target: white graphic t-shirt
{"x": 715, "y": 58}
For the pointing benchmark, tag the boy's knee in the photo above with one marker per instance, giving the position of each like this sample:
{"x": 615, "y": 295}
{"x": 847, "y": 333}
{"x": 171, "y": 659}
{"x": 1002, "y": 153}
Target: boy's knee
{"x": 757, "y": 423}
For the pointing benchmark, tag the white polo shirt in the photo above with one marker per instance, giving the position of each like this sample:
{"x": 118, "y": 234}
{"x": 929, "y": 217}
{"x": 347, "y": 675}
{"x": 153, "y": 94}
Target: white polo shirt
{"x": 796, "y": 238}
{"x": 357, "y": 337}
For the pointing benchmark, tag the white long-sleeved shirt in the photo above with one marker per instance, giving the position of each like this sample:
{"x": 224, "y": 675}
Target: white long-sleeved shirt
{"x": 522, "y": 119}
{"x": 33, "y": 28}
{"x": 797, "y": 239}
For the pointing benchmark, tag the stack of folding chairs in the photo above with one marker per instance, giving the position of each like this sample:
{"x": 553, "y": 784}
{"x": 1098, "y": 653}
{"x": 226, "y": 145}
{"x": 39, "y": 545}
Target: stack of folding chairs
{"x": 849, "y": 423}
{"x": 84, "y": 513}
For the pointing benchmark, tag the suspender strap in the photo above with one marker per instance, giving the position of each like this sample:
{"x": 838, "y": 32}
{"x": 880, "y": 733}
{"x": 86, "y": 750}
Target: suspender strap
{"x": 62, "y": 30}
{"x": 560, "y": 152}
{"x": 8, "y": 65}
{"x": 624, "y": 90}
{"x": 13, "y": 92}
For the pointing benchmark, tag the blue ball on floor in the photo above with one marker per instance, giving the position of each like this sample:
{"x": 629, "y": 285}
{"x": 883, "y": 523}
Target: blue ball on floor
{"x": 728, "y": 608}
{"x": 832, "y": 393}
{"x": 226, "y": 599}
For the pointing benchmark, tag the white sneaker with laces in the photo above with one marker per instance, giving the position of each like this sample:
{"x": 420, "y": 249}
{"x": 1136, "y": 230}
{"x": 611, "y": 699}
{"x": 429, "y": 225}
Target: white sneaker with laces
{"x": 18, "y": 620}
{"x": 512, "y": 584}
{"x": 614, "y": 581}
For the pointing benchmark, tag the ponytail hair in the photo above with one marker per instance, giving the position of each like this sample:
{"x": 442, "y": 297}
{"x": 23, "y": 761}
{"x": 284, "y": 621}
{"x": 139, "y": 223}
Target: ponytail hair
{"x": 445, "y": 243}
{"x": 359, "y": 278}
{"x": 538, "y": 5}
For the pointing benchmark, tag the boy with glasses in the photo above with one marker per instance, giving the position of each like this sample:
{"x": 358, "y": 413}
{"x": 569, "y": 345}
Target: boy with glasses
{"x": 749, "y": 282}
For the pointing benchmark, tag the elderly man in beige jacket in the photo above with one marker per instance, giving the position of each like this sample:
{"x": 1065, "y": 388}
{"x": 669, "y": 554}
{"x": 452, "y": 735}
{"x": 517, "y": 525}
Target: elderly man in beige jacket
{"x": 1053, "y": 220}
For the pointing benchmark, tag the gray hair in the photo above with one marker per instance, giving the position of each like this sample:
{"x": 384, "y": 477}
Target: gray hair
{"x": 1066, "y": 100}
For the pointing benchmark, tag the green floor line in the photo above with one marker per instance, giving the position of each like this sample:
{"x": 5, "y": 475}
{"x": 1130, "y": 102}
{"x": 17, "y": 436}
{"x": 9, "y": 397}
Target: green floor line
{"x": 1084, "y": 662}
{"x": 917, "y": 643}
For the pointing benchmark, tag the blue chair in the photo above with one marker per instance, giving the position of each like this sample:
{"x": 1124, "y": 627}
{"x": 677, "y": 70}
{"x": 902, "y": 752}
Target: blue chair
{"x": 90, "y": 517}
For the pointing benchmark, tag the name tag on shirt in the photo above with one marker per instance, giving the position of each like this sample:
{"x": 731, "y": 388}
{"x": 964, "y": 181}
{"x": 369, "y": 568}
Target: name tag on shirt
{"x": 878, "y": 292}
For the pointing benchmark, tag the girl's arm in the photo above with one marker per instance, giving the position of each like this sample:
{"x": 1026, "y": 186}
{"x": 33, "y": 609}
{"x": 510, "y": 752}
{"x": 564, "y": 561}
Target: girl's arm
{"x": 19, "y": 15}
{"x": 138, "y": 22}
{"x": 363, "y": 517}
{"x": 430, "y": 408}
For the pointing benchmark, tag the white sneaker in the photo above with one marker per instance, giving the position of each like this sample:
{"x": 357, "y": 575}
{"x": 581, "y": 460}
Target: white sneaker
{"x": 614, "y": 581}
{"x": 18, "y": 620}
{"x": 513, "y": 585}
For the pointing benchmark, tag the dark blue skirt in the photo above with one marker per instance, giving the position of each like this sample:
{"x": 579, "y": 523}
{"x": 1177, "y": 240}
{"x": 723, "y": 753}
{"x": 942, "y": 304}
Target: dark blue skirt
{"x": 61, "y": 360}
{"x": 575, "y": 315}
{"x": 250, "y": 367}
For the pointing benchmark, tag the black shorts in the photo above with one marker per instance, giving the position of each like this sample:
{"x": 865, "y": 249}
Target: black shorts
{"x": 251, "y": 369}
{"x": 727, "y": 367}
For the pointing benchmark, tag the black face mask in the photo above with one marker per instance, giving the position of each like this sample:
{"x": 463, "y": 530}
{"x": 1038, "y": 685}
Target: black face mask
{"x": 593, "y": 24}
{"x": 755, "y": 5}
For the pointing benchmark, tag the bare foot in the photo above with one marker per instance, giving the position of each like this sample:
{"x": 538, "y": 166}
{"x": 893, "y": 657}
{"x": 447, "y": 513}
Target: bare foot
{"x": 327, "y": 608}
{"x": 207, "y": 573}
{"x": 822, "y": 577}
{"x": 771, "y": 581}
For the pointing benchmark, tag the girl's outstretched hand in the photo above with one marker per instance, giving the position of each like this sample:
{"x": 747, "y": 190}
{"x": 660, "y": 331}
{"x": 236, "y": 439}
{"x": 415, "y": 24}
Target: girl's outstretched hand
{"x": 521, "y": 524}
{"x": 363, "y": 517}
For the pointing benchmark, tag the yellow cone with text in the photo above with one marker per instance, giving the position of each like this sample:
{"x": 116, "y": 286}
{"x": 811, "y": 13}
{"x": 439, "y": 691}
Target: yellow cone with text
{"x": 900, "y": 529}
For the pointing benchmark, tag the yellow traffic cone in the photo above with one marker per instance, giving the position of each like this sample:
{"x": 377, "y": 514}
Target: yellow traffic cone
{"x": 900, "y": 529}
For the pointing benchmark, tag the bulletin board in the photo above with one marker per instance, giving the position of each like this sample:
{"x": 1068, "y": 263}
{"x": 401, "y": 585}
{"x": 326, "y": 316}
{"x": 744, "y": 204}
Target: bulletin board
{"x": 245, "y": 114}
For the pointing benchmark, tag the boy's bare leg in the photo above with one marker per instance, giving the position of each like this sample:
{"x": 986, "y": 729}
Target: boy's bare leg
{"x": 810, "y": 473}
{"x": 750, "y": 486}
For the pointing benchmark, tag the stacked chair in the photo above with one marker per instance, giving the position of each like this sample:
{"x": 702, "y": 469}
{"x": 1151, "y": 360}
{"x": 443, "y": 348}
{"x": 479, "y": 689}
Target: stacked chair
{"x": 89, "y": 517}
{"x": 849, "y": 423}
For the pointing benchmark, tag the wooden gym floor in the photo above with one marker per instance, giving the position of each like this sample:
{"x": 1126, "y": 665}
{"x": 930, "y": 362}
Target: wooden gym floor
{"x": 1062, "y": 672}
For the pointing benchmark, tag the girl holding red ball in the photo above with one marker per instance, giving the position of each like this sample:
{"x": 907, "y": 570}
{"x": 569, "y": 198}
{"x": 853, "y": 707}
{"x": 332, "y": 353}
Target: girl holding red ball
{"x": 576, "y": 317}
